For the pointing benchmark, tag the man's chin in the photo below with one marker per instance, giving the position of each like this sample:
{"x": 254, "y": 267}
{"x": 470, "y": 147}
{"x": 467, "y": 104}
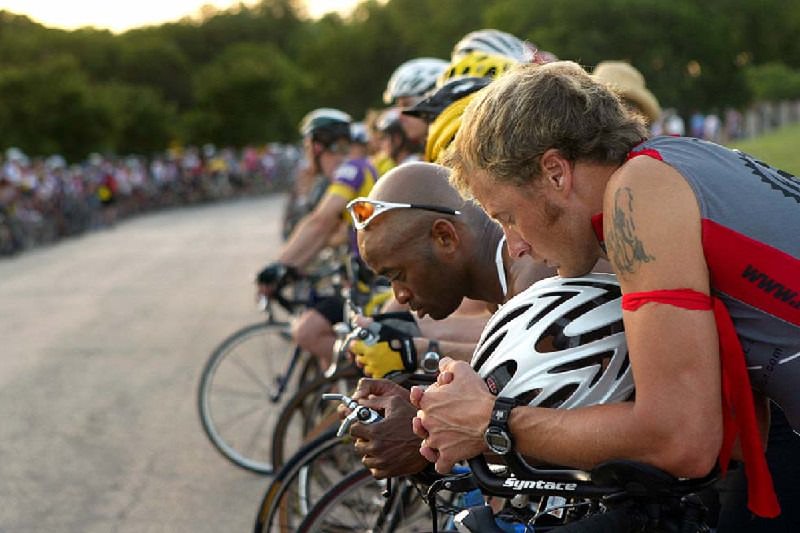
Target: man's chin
{"x": 567, "y": 272}
{"x": 438, "y": 315}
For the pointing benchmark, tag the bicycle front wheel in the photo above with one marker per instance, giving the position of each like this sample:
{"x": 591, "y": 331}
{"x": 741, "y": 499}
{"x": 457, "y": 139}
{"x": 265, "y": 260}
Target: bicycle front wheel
{"x": 306, "y": 414}
{"x": 244, "y": 386}
{"x": 357, "y": 503}
{"x": 296, "y": 487}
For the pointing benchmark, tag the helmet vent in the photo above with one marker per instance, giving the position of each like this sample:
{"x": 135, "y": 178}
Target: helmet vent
{"x": 527, "y": 397}
{"x": 488, "y": 351}
{"x": 554, "y": 339}
{"x": 506, "y": 319}
{"x": 602, "y": 360}
{"x": 499, "y": 377}
{"x": 562, "y": 297}
{"x": 560, "y": 396}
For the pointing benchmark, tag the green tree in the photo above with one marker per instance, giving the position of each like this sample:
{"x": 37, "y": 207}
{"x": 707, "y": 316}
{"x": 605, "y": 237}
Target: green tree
{"x": 149, "y": 60}
{"x": 49, "y": 107}
{"x": 249, "y": 93}
{"x": 773, "y": 81}
{"x": 141, "y": 120}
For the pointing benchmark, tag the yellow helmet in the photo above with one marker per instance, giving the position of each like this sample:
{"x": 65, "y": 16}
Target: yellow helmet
{"x": 443, "y": 129}
{"x": 476, "y": 64}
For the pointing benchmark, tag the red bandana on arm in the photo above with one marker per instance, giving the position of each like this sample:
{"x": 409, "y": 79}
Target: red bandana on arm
{"x": 738, "y": 410}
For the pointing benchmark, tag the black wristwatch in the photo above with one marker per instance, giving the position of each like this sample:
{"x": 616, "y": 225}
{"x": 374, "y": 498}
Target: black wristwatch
{"x": 498, "y": 435}
{"x": 429, "y": 362}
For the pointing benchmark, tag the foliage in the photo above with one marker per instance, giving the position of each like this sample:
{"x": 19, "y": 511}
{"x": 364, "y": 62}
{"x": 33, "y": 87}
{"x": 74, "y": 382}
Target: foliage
{"x": 247, "y": 74}
{"x": 247, "y": 94}
{"x": 773, "y": 81}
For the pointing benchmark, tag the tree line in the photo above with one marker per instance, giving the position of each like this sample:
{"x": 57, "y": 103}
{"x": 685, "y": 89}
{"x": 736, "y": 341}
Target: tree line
{"x": 248, "y": 74}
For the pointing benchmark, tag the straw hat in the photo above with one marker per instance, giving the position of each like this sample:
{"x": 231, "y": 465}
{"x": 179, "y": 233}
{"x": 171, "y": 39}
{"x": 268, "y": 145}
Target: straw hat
{"x": 629, "y": 83}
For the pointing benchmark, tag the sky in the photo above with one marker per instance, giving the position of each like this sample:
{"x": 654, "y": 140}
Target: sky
{"x": 120, "y": 16}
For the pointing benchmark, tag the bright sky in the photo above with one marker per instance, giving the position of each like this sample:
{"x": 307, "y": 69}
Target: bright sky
{"x": 121, "y": 16}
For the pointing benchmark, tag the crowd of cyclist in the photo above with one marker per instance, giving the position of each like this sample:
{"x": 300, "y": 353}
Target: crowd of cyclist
{"x": 604, "y": 115}
{"x": 46, "y": 199}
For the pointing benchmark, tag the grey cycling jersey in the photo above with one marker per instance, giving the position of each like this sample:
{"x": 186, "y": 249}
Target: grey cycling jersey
{"x": 751, "y": 239}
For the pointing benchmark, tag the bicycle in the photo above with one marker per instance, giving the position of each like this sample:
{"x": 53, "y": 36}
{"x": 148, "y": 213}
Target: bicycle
{"x": 317, "y": 469}
{"x": 616, "y": 496}
{"x": 302, "y": 480}
{"x": 254, "y": 372}
{"x": 359, "y": 502}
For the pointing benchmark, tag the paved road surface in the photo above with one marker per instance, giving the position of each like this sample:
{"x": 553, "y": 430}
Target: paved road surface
{"x": 102, "y": 339}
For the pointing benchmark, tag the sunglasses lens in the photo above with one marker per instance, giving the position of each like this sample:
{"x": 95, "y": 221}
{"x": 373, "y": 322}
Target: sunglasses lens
{"x": 362, "y": 211}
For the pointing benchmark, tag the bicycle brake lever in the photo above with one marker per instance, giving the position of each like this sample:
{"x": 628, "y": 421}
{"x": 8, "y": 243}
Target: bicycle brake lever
{"x": 359, "y": 413}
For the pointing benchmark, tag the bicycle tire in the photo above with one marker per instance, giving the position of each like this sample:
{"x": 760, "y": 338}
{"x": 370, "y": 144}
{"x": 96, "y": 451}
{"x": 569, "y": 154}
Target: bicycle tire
{"x": 356, "y": 503}
{"x": 317, "y": 466}
{"x": 306, "y": 414}
{"x": 237, "y": 399}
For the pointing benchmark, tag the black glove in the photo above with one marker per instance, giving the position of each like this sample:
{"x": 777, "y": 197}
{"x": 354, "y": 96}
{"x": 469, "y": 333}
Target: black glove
{"x": 277, "y": 274}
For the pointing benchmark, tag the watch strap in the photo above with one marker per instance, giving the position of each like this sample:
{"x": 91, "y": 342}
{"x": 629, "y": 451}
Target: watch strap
{"x": 501, "y": 411}
{"x": 433, "y": 346}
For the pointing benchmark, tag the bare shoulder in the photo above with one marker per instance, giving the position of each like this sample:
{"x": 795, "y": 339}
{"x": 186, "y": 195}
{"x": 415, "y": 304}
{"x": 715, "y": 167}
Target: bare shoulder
{"x": 652, "y": 227}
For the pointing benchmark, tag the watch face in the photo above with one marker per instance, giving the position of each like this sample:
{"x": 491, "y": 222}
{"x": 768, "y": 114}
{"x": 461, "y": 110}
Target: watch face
{"x": 497, "y": 440}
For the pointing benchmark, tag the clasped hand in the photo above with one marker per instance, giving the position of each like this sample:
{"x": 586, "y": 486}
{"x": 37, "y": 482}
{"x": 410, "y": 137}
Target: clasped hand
{"x": 389, "y": 447}
{"x": 452, "y": 415}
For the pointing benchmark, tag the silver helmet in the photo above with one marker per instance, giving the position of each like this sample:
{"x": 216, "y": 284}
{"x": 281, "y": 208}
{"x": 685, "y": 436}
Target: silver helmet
{"x": 559, "y": 343}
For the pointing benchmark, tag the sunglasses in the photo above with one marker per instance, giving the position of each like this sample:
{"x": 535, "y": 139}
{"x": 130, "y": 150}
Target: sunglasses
{"x": 363, "y": 211}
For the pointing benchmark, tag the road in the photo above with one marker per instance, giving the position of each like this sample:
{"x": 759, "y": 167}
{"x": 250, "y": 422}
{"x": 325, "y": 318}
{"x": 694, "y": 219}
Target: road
{"x": 102, "y": 340}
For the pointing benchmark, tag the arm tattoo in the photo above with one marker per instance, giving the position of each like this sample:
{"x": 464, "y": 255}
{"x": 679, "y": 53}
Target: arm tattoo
{"x": 626, "y": 251}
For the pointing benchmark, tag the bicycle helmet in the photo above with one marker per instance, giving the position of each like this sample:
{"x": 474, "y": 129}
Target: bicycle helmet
{"x": 389, "y": 122}
{"x": 442, "y": 130}
{"x": 455, "y": 89}
{"x": 492, "y": 41}
{"x": 326, "y": 125}
{"x": 559, "y": 343}
{"x": 414, "y": 78}
{"x": 478, "y": 64}
{"x": 359, "y": 133}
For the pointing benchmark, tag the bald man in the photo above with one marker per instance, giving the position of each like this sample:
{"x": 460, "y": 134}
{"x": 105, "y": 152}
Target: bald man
{"x": 434, "y": 259}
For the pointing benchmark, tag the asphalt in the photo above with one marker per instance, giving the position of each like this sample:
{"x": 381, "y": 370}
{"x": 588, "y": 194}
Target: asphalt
{"x": 102, "y": 340}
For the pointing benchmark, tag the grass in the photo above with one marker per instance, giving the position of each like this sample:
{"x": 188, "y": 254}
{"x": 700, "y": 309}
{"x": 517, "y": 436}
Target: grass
{"x": 779, "y": 149}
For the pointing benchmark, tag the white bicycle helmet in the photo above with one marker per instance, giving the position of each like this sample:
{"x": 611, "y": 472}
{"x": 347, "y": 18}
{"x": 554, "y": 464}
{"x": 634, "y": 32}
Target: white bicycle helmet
{"x": 415, "y": 77}
{"x": 326, "y": 125}
{"x": 560, "y": 343}
{"x": 359, "y": 133}
{"x": 495, "y": 42}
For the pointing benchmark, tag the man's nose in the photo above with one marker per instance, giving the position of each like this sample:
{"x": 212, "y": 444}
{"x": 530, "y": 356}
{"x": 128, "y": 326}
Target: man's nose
{"x": 401, "y": 293}
{"x": 517, "y": 246}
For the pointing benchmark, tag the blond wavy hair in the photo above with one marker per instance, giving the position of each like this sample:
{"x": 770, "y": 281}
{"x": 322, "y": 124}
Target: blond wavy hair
{"x": 509, "y": 125}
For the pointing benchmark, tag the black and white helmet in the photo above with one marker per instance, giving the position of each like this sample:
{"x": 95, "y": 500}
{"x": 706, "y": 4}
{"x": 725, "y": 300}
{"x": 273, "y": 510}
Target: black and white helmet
{"x": 559, "y": 343}
{"x": 492, "y": 41}
{"x": 415, "y": 77}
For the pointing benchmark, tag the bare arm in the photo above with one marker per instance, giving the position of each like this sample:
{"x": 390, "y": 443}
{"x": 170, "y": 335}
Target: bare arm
{"x": 458, "y": 327}
{"x": 314, "y": 232}
{"x": 652, "y": 227}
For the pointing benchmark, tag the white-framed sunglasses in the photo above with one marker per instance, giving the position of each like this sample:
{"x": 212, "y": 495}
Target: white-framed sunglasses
{"x": 363, "y": 210}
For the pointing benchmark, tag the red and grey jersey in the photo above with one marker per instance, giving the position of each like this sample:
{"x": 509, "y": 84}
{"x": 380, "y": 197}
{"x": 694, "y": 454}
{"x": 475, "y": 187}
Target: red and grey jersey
{"x": 751, "y": 240}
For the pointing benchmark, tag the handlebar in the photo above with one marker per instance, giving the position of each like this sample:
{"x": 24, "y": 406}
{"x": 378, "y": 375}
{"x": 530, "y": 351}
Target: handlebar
{"x": 534, "y": 481}
{"x": 611, "y": 478}
{"x": 359, "y": 413}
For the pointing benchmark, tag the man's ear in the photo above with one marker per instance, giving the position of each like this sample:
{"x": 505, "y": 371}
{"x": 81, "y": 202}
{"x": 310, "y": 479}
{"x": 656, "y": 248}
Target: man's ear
{"x": 444, "y": 235}
{"x": 317, "y": 148}
{"x": 556, "y": 170}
